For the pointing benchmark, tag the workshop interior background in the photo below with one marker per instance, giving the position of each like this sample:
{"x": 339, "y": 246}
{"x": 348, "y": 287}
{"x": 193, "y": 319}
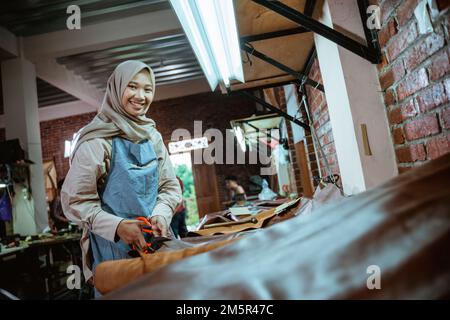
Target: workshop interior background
{"x": 413, "y": 86}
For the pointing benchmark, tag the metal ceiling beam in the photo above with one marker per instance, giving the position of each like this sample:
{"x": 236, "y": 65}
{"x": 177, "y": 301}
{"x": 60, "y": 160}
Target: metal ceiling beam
{"x": 359, "y": 49}
{"x": 56, "y": 101}
{"x": 139, "y": 55}
{"x": 52, "y": 95}
{"x": 194, "y": 77}
{"x": 135, "y": 54}
{"x": 275, "y": 109}
{"x": 113, "y": 52}
{"x": 175, "y": 39}
{"x": 152, "y": 62}
{"x": 309, "y": 62}
{"x": 101, "y": 66}
{"x": 266, "y": 132}
{"x": 180, "y": 76}
{"x": 273, "y": 34}
{"x": 24, "y": 5}
{"x": 45, "y": 12}
{"x": 309, "y": 7}
{"x": 371, "y": 35}
{"x": 156, "y": 69}
{"x": 300, "y": 76}
{"x": 158, "y": 75}
{"x": 47, "y": 19}
{"x": 257, "y": 118}
{"x": 141, "y": 27}
{"x": 171, "y": 81}
{"x": 169, "y": 75}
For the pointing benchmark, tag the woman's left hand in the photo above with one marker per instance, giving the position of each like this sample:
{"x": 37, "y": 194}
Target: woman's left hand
{"x": 159, "y": 226}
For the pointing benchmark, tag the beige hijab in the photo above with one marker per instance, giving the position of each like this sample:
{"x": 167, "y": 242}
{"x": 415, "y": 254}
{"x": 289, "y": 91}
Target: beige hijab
{"x": 112, "y": 120}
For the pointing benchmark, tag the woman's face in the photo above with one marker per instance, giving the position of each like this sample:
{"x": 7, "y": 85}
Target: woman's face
{"x": 138, "y": 95}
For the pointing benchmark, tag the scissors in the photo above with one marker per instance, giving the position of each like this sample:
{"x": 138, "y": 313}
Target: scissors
{"x": 152, "y": 243}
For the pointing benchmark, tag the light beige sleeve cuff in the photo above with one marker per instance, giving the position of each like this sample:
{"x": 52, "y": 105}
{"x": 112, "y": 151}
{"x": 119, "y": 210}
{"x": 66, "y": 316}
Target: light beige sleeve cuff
{"x": 105, "y": 225}
{"x": 164, "y": 210}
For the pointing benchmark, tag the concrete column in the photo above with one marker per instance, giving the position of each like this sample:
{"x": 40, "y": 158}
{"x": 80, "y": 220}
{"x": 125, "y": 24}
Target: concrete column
{"x": 22, "y": 122}
{"x": 354, "y": 99}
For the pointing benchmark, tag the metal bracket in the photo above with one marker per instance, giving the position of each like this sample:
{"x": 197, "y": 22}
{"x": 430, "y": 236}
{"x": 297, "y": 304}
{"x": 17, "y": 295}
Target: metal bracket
{"x": 266, "y": 132}
{"x": 273, "y": 34}
{"x": 275, "y": 110}
{"x": 369, "y": 52}
{"x": 300, "y": 76}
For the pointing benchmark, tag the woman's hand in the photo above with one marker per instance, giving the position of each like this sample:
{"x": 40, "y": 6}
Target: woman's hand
{"x": 159, "y": 226}
{"x": 129, "y": 231}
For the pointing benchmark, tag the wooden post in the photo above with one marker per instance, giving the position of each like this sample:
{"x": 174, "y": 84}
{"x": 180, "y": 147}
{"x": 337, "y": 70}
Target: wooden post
{"x": 305, "y": 175}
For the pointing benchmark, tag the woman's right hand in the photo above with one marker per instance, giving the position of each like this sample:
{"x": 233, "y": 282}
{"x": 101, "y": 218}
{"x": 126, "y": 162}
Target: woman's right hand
{"x": 129, "y": 231}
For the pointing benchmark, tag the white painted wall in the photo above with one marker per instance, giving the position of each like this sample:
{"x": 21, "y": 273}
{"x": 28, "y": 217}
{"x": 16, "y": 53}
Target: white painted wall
{"x": 353, "y": 95}
{"x": 292, "y": 105}
{"x": 22, "y": 122}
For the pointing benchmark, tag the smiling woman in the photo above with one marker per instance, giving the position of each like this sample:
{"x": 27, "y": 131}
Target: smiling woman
{"x": 120, "y": 171}
{"x": 138, "y": 95}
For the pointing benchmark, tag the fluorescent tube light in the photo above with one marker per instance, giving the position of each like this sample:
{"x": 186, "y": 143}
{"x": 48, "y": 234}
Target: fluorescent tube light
{"x": 210, "y": 26}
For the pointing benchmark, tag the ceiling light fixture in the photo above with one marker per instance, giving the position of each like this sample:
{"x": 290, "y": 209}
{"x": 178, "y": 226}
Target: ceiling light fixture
{"x": 210, "y": 26}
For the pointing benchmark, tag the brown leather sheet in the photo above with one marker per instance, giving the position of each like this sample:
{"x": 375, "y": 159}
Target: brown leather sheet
{"x": 403, "y": 227}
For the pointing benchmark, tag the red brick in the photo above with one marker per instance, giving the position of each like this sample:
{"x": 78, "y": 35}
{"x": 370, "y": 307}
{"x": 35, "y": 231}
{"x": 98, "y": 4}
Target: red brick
{"x": 423, "y": 127}
{"x": 437, "y": 147}
{"x": 421, "y": 51}
{"x": 405, "y": 11}
{"x": 392, "y": 75}
{"x": 447, "y": 87}
{"x": 401, "y": 41}
{"x": 404, "y": 112}
{"x": 381, "y": 65}
{"x": 445, "y": 118}
{"x": 387, "y": 32}
{"x": 431, "y": 98}
{"x": 325, "y": 140}
{"x": 330, "y": 149}
{"x": 398, "y": 136}
{"x": 324, "y": 118}
{"x": 412, "y": 84}
{"x": 389, "y": 98}
{"x": 439, "y": 67}
{"x": 411, "y": 153}
{"x": 386, "y": 8}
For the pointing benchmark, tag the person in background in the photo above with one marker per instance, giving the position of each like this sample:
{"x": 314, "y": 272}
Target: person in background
{"x": 236, "y": 191}
{"x": 58, "y": 220}
{"x": 178, "y": 223}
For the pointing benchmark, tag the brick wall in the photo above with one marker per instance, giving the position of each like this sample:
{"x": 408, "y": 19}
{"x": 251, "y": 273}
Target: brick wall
{"x": 215, "y": 111}
{"x": 54, "y": 133}
{"x": 321, "y": 122}
{"x": 414, "y": 77}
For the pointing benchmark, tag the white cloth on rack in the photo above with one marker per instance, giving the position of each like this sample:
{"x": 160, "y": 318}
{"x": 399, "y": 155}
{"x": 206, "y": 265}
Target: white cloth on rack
{"x": 23, "y": 211}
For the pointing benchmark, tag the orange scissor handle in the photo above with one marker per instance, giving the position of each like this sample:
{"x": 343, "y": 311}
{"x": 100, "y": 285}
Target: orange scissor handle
{"x": 148, "y": 226}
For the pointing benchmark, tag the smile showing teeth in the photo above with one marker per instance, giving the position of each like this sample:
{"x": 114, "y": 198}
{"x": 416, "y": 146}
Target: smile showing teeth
{"x": 137, "y": 104}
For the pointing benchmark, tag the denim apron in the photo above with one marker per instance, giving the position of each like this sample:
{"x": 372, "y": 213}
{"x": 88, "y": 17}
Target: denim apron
{"x": 130, "y": 191}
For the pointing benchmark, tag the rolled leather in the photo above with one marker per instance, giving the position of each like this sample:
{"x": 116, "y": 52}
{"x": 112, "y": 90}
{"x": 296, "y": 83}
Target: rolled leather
{"x": 114, "y": 274}
{"x": 401, "y": 227}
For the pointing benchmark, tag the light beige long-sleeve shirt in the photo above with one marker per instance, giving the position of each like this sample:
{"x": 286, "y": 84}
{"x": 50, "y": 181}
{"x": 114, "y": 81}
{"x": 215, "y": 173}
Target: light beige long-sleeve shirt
{"x": 81, "y": 202}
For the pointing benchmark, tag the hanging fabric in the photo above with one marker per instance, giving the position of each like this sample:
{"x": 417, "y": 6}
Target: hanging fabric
{"x": 5, "y": 206}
